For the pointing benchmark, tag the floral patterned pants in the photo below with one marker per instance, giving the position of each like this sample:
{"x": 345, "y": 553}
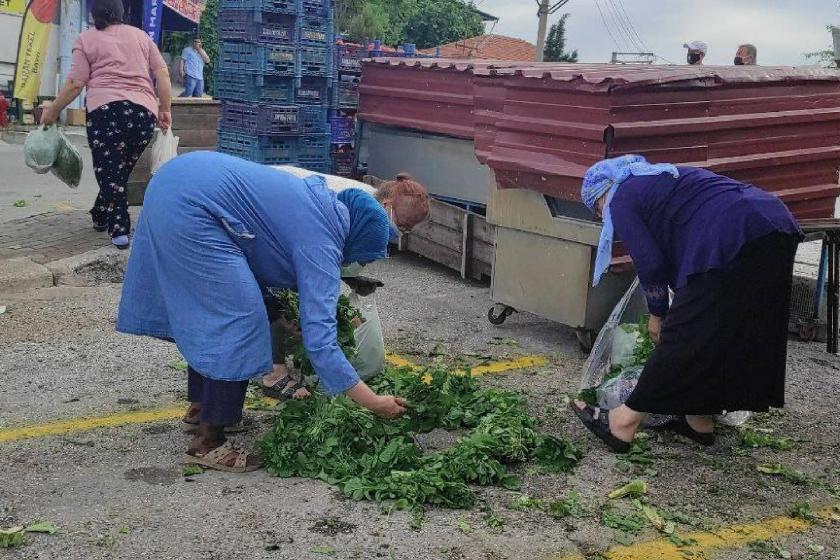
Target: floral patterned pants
{"x": 117, "y": 132}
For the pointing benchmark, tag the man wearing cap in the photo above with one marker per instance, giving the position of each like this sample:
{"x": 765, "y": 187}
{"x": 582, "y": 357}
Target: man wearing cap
{"x": 696, "y": 52}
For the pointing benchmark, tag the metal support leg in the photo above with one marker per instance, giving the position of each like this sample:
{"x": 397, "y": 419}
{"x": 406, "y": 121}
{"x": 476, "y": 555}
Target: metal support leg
{"x": 832, "y": 299}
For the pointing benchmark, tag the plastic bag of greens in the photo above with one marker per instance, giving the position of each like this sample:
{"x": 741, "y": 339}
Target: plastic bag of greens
{"x": 613, "y": 392}
{"x": 68, "y": 164}
{"x": 370, "y": 346}
{"x": 625, "y": 338}
{"x": 41, "y": 148}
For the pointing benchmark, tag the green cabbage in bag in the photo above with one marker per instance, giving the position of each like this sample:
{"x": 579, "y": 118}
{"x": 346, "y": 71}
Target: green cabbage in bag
{"x": 68, "y": 164}
{"x": 41, "y": 148}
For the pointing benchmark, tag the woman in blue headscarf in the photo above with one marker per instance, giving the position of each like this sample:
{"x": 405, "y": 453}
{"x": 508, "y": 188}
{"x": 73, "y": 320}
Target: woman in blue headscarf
{"x": 726, "y": 250}
{"x": 215, "y": 231}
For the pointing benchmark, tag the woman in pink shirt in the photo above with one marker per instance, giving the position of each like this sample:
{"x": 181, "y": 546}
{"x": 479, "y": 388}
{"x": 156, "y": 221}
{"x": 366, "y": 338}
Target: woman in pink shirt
{"x": 116, "y": 62}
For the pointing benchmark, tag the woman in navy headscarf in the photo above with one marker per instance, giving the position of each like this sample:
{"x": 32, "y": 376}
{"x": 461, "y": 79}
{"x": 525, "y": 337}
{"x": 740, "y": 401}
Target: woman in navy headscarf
{"x": 726, "y": 249}
{"x": 214, "y": 232}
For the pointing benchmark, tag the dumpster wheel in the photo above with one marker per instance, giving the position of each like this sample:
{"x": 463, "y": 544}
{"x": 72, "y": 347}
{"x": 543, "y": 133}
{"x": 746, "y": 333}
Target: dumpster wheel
{"x": 498, "y": 319}
{"x": 586, "y": 338}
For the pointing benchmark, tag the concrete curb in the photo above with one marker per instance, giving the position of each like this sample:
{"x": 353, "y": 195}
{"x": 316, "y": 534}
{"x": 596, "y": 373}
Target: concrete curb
{"x": 93, "y": 268}
{"x": 22, "y": 274}
{"x": 100, "y": 266}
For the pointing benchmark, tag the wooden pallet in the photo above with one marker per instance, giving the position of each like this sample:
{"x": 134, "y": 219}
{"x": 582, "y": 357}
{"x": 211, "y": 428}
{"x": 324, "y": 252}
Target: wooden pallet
{"x": 454, "y": 237}
{"x": 194, "y": 121}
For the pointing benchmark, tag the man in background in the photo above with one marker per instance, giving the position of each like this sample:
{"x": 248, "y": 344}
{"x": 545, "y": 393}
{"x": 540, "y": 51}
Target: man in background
{"x": 696, "y": 52}
{"x": 191, "y": 69}
{"x": 747, "y": 55}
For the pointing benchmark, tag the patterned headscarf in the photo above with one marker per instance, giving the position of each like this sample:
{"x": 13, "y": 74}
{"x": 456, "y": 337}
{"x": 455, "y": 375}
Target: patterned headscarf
{"x": 603, "y": 178}
{"x": 369, "y": 231}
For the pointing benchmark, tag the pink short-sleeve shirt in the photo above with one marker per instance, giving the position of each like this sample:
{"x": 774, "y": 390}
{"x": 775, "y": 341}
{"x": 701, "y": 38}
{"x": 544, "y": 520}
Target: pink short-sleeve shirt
{"x": 116, "y": 64}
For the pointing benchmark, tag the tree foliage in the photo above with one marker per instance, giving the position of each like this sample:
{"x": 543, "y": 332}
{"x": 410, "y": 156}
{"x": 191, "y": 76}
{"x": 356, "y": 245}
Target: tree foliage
{"x": 426, "y": 23}
{"x": 210, "y": 41}
{"x": 555, "y": 44}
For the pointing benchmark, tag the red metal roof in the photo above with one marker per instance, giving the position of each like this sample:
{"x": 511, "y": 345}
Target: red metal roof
{"x": 539, "y": 126}
{"x": 495, "y": 47}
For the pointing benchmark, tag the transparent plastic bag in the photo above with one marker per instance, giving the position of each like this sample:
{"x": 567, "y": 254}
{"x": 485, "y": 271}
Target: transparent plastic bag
{"x": 625, "y": 338}
{"x": 164, "y": 148}
{"x": 41, "y": 148}
{"x": 613, "y": 392}
{"x": 68, "y": 163}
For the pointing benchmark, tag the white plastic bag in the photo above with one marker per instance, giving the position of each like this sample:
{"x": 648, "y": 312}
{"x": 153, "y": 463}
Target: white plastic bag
{"x": 370, "y": 345}
{"x": 164, "y": 148}
{"x": 41, "y": 148}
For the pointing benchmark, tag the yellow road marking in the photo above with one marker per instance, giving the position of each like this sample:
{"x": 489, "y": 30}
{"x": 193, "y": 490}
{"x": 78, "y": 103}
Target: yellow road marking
{"x": 731, "y": 537}
{"x": 509, "y": 365}
{"x": 75, "y": 425}
{"x": 63, "y": 427}
{"x": 491, "y": 368}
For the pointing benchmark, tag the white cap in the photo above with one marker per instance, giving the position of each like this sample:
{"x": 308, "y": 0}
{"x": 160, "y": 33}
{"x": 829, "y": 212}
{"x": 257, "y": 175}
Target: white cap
{"x": 697, "y": 46}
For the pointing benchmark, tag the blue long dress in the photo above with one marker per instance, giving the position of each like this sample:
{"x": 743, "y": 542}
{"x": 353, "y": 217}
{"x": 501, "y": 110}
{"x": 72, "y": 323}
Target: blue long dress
{"x": 215, "y": 230}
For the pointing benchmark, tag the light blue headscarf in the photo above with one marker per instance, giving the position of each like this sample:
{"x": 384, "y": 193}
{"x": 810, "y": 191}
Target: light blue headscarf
{"x": 369, "y": 231}
{"x": 604, "y": 178}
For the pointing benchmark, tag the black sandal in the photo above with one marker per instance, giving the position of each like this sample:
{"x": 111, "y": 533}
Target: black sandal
{"x": 597, "y": 421}
{"x": 284, "y": 389}
{"x": 680, "y": 426}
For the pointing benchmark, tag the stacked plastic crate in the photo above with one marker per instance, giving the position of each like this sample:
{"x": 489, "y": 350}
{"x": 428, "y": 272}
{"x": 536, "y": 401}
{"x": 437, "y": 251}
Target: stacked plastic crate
{"x": 275, "y": 70}
{"x": 349, "y": 63}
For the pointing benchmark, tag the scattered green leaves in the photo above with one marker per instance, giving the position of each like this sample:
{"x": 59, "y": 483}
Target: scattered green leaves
{"x": 802, "y": 510}
{"x": 629, "y": 523}
{"x": 589, "y": 396}
{"x": 336, "y": 441}
{"x": 767, "y": 549}
{"x": 464, "y": 527}
{"x": 41, "y": 527}
{"x": 177, "y": 365}
{"x": 632, "y": 489}
{"x": 322, "y": 549}
{"x": 570, "y": 507}
{"x": 753, "y": 439}
{"x": 788, "y": 473}
{"x": 20, "y": 203}
{"x": 11, "y": 537}
{"x": 192, "y": 470}
{"x": 492, "y": 520}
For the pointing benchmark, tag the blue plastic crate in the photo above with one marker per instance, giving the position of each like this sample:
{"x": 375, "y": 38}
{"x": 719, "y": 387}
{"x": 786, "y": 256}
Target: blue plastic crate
{"x": 316, "y": 7}
{"x": 313, "y": 145}
{"x": 313, "y": 91}
{"x": 313, "y": 119}
{"x": 318, "y": 164}
{"x": 256, "y": 26}
{"x": 240, "y": 57}
{"x": 279, "y": 60}
{"x": 315, "y": 61}
{"x": 260, "y": 119}
{"x": 272, "y": 150}
{"x": 255, "y": 88}
{"x": 316, "y": 31}
{"x": 348, "y": 92}
{"x": 350, "y": 58}
{"x": 343, "y": 163}
{"x": 343, "y": 128}
{"x": 292, "y": 7}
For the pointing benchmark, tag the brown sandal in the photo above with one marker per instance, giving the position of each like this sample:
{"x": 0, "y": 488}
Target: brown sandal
{"x": 214, "y": 459}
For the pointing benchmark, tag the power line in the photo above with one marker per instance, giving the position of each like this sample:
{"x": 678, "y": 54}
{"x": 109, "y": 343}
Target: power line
{"x": 621, "y": 25}
{"x": 607, "y": 27}
{"x": 628, "y": 23}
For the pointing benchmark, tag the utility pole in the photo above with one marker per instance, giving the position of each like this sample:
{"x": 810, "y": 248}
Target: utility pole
{"x": 835, "y": 35}
{"x": 545, "y": 9}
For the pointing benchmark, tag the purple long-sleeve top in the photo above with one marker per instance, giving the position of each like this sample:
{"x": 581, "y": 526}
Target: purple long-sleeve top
{"x": 697, "y": 222}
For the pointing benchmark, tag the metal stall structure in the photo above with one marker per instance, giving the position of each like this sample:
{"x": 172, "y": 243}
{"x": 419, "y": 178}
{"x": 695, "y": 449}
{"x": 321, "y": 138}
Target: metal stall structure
{"x": 537, "y": 127}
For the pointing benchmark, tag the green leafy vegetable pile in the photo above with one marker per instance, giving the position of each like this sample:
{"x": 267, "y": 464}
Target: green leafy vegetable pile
{"x": 335, "y": 440}
{"x": 287, "y": 304}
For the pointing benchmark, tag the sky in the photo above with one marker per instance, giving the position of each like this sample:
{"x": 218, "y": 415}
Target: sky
{"x": 781, "y": 30}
